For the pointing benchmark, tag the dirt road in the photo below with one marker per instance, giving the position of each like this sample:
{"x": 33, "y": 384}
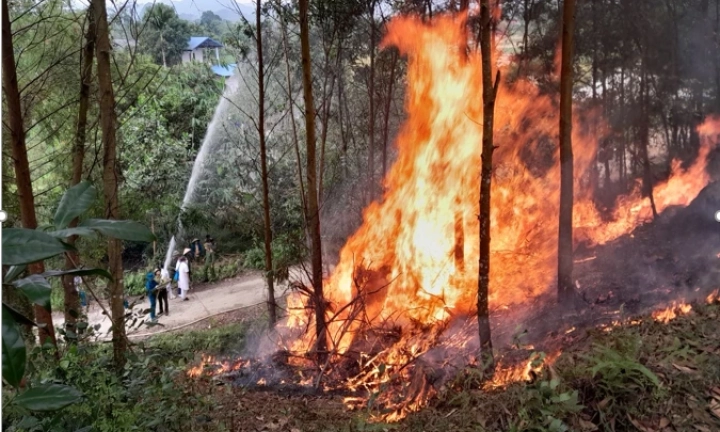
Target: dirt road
{"x": 206, "y": 300}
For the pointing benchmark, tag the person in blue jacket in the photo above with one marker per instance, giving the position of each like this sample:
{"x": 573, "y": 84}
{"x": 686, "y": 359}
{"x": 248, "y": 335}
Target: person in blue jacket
{"x": 151, "y": 284}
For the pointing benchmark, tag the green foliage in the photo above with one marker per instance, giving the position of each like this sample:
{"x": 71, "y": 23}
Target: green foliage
{"x": 120, "y": 229}
{"x": 36, "y": 288}
{"x": 13, "y": 349}
{"x": 545, "y": 406}
{"x": 222, "y": 340}
{"x": 24, "y": 246}
{"x": 110, "y": 402}
{"x": 48, "y": 397}
{"x": 164, "y": 35}
{"x": 134, "y": 282}
{"x": 76, "y": 201}
{"x": 287, "y": 250}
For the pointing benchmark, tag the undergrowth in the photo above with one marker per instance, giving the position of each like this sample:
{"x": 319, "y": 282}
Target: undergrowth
{"x": 151, "y": 393}
{"x": 647, "y": 376}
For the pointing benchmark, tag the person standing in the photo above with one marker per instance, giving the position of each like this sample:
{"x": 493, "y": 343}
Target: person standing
{"x": 150, "y": 288}
{"x": 209, "y": 267}
{"x": 77, "y": 281}
{"x": 163, "y": 292}
{"x": 196, "y": 250}
{"x": 183, "y": 278}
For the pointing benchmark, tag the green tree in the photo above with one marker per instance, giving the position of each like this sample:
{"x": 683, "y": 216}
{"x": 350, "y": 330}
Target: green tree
{"x": 165, "y": 35}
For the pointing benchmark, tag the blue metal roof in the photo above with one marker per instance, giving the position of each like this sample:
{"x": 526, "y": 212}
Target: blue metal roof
{"x": 202, "y": 42}
{"x": 224, "y": 71}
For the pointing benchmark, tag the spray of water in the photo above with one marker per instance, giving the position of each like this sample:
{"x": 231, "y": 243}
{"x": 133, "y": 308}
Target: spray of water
{"x": 200, "y": 165}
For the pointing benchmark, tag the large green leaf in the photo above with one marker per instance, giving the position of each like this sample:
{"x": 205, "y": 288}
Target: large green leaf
{"x": 48, "y": 397}
{"x": 19, "y": 318}
{"x": 24, "y": 246}
{"x": 13, "y": 350}
{"x": 75, "y": 202}
{"x": 79, "y": 272}
{"x": 124, "y": 230}
{"x": 67, "y": 232}
{"x": 36, "y": 288}
{"x": 13, "y": 273}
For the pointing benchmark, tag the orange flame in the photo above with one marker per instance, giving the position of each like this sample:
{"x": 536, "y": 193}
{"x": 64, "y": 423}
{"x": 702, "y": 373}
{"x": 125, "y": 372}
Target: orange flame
{"x": 670, "y": 313}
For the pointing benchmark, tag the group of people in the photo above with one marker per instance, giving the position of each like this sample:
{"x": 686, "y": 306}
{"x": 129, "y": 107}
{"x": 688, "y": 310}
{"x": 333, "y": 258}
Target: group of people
{"x": 159, "y": 285}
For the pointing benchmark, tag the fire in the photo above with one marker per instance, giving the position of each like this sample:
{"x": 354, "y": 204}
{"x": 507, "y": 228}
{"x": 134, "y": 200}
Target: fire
{"x": 209, "y": 365}
{"x": 713, "y": 297}
{"x": 668, "y": 314}
{"x": 414, "y": 260}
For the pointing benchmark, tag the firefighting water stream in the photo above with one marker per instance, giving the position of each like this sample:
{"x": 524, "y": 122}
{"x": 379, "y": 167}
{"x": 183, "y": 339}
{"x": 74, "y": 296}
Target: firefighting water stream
{"x": 203, "y": 160}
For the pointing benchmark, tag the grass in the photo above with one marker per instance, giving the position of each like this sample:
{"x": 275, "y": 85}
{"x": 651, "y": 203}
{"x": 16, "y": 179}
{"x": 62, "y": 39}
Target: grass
{"x": 218, "y": 341}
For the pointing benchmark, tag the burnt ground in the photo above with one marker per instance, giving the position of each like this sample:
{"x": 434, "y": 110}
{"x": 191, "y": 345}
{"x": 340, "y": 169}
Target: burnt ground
{"x": 672, "y": 259}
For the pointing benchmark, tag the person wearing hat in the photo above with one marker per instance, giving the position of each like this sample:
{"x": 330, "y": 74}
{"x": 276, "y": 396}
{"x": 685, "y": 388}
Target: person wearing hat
{"x": 184, "y": 277}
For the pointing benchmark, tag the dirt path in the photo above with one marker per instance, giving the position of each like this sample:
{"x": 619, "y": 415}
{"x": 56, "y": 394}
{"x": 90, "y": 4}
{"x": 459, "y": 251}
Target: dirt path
{"x": 206, "y": 300}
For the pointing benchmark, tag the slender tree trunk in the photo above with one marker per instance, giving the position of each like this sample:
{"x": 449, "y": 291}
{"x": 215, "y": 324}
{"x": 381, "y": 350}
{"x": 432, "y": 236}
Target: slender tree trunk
{"x": 111, "y": 174}
{"x": 645, "y": 136}
{"x": 386, "y": 121}
{"x": 371, "y": 94}
{"x": 623, "y": 139}
{"x": 291, "y": 102}
{"x": 72, "y": 299}
{"x": 16, "y": 126}
{"x": 488, "y": 97}
{"x": 162, "y": 49}
{"x": 565, "y": 237}
{"x": 327, "y": 102}
{"x": 269, "y": 276}
{"x": 313, "y": 214}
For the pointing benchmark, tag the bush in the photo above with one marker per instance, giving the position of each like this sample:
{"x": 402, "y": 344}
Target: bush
{"x": 151, "y": 394}
{"x": 287, "y": 249}
{"x": 135, "y": 283}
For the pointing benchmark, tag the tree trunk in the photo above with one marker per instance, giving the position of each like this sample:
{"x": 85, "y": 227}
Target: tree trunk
{"x": 488, "y": 97}
{"x": 388, "y": 102}
{"x": 371, "y": 92}
{"x": 72, "y": 299}
{"x": 327, "y": 102}
{"x": 162, "y": 49}
{"x": 313, "y": 215}
{"x": 565, "y": 238}
{"x": 269, "y": 275}
{"x": 16, "y": 126}
{"x": 645, "y": 136}
{"x": 291, "y": 102}
{"x": 111, "y": 174}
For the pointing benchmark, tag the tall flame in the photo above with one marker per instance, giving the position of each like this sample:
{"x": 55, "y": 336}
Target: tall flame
{"x": 415, "y": 257}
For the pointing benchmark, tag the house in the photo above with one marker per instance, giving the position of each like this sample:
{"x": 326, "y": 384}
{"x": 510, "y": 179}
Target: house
{"x": 196, "y": 47}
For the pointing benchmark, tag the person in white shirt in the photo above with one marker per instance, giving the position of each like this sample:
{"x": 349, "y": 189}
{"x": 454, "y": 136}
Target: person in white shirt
{"x": 183, "y": 278}
{"x": 167, "y": 281}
